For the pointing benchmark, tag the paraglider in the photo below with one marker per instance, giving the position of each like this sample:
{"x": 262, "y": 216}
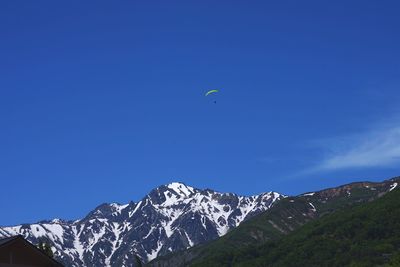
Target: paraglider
{"x": 212, "y": 92}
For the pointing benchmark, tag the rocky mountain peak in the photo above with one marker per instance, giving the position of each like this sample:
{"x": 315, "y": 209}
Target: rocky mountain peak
{"x": 170, "y": 218}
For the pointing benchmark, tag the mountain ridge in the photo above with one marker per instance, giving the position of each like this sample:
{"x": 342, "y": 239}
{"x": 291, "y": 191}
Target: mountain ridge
{"x": 284, "y": 217}
{"x": 366, "y": 234}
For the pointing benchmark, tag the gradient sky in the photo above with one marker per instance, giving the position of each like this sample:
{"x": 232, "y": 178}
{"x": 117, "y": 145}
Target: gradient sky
{"x": 101, "y": 101}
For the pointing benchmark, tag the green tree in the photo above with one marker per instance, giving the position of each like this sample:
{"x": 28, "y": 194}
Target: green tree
{"x": 45, "y": 247}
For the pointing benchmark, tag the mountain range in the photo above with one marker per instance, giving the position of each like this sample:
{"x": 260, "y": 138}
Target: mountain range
{"x": 170, "y": 218}
{"x": 178, "y": 225}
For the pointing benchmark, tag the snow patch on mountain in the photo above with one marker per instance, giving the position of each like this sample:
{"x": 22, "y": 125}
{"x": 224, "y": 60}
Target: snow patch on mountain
{"x": 393, "y": 186}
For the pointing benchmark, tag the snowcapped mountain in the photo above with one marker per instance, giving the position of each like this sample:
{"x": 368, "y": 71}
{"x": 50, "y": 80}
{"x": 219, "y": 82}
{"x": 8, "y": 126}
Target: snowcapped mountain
{"x": 170, "y": 218}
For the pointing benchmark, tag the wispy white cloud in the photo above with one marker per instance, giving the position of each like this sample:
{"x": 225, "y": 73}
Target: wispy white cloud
{"x": 379, "y": 147}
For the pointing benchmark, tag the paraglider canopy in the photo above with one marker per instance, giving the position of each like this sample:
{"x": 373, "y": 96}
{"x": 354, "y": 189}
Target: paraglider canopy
{"x": 211, "y": 92}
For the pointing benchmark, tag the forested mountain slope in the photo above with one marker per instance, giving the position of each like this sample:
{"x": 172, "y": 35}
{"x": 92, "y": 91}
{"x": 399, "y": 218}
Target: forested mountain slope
{"x": 364, "y": 235}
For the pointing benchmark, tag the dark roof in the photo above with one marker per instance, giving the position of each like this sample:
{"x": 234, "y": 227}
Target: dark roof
{"x": 7, "y": 240}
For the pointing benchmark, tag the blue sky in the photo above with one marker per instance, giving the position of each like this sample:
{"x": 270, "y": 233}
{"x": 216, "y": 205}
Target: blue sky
{"x": 102, "y": 101}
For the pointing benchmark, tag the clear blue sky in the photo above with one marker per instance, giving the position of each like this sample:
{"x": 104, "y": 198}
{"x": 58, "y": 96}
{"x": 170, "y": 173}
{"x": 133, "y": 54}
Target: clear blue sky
{"x": 102, "y": 101}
